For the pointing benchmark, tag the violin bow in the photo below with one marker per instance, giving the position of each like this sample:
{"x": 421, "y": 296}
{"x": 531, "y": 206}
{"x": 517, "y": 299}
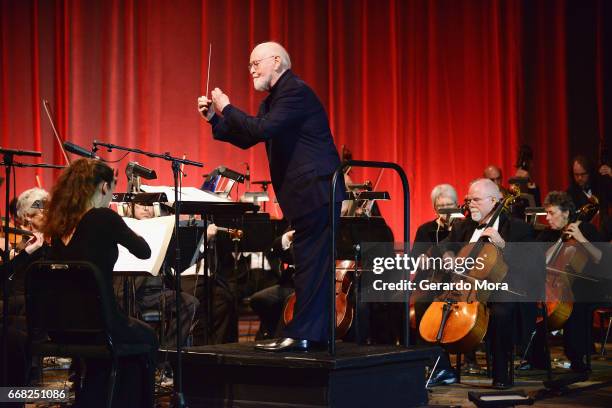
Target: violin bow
{"x": 55, "y": 132}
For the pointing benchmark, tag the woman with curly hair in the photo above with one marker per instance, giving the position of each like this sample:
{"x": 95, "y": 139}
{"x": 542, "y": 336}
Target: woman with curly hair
{"x": 81, "y": 227}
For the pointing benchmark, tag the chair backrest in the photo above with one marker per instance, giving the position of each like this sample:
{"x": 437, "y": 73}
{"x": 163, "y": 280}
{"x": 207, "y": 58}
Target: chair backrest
{"x": 69, "y": 300}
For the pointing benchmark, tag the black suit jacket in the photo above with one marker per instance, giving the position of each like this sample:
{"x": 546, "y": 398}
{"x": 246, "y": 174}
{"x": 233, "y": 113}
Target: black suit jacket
{"x": 301, "y": 153}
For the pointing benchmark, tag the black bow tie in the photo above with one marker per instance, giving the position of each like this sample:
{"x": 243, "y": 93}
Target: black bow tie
{"x": 480, "y": 226}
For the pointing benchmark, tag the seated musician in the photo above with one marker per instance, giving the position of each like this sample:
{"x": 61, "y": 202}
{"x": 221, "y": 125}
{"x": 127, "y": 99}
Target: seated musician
{"x": 560, "y": 212}
{"x": 494, "y": 174}
{"x": 29, "y": 219}
{"x": 432, "y": 232}
{"x": 442, "y": 196}
{"x": 586, "y": 183}
{"x": 81, "y": 227}
{"x": 482, "y": 198}
{"x": 532, "y": 187}
{"x": 150, "y": 292}
{"x": 224, "y": 304}
{"x": 29, "y": 214}
{"x": 268, "y": 303}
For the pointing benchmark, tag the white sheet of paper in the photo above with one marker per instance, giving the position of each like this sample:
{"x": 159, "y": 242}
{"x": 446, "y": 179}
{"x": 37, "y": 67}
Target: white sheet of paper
{"x": 157, "y": 232}
{"x": 192, "y": 269}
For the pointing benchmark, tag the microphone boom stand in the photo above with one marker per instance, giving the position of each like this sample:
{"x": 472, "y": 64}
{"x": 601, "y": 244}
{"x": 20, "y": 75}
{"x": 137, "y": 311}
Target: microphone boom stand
{"x": 176, "y": 168}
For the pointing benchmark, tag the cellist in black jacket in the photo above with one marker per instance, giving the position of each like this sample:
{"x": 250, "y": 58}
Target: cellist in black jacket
{"x": 523, "y": 270}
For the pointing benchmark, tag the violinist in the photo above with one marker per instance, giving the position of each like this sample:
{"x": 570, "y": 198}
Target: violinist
{"x": 586, "y": 183}
{"x": 560, "y": 212}
{"x": 81, "y": 227}
{"x": 29, "y": 216}
{"x": 482, "y": 199}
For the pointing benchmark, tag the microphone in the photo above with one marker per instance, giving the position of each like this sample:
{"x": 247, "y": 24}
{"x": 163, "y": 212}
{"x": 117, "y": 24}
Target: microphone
{"x": 78, "y": 150}
{"x": 135, "y": 169}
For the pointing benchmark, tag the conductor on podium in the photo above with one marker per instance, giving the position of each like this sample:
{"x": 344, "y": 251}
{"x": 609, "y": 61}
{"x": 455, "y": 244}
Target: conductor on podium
{"x": 302, "y": 157}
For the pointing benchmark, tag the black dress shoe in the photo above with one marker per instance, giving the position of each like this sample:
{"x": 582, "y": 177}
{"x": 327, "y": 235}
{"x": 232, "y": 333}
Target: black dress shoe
{"x": 443, "y": 377}
{"x": 287, "y": 344}
{"x": 267, "y": 342}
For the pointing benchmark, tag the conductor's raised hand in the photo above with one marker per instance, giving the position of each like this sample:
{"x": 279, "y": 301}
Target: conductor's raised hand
{"x": 219, "y": 99}
{"x": 204, "y": 105}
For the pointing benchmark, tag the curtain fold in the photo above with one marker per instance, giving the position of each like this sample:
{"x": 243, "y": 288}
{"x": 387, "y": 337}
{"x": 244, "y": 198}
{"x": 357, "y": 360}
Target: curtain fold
{"x": 443, "y": 88}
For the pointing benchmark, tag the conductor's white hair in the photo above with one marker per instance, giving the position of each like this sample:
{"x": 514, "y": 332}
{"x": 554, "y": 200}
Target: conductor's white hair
{"x": 279, "y": 50}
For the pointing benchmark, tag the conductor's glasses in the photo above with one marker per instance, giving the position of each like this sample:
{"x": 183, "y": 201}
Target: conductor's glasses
{"x": 257, "y": 62}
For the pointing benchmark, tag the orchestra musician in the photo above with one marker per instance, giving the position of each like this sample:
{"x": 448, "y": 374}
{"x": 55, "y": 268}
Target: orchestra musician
{"x": 427, "y": 236}
{"x": 586, "y": 183}
{"x": 442, "y": 196}
{"x": 151, "y": 293}
{"x": 482, "y": 198}
{"x": 302, "y": 157}
{"x": 29, "y": 219}
{"x": 224, "y": 304}
{"x": 29, "y": 215}
{"x": 268, "y": 303}
{"x": 81, "y": 227}
{"x": 494, "y": 174}
{"x": 560, "y": 210}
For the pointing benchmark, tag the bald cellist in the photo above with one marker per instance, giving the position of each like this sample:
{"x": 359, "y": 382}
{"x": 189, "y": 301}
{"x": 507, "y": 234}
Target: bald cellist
{"x": 483, "y": 197}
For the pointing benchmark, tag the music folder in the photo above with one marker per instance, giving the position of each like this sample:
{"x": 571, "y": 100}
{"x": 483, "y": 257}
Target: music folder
{"x": 157, "y": 232}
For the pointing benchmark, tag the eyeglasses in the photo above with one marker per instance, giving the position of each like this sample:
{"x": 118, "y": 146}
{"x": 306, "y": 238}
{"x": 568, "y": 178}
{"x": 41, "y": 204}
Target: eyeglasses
{"x": 476, "y": 200}
{"x": 257, "y": 62}
{"x": 447, "y": 205}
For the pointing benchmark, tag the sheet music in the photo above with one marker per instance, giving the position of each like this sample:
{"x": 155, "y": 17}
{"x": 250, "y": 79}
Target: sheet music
{"x": 157, "y": 232}
{"x": 186, "y": 194}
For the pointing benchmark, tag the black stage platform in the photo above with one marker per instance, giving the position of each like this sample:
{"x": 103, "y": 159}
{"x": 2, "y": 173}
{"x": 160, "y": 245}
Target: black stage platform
{"x": 236, "y": 375}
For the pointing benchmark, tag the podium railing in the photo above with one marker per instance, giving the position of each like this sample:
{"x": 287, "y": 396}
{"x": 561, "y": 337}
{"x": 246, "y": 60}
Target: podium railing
{"x": 332, "y": 289}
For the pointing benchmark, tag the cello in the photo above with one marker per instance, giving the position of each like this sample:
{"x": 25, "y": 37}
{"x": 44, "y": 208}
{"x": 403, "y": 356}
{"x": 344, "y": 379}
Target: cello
{"x": 345, "y": 309}
{"x": 565, "y": 257}
{"x": 458, "y": 320}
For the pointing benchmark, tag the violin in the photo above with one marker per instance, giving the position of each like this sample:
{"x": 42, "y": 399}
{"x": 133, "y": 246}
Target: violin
{"x": 233, "y": 233}
{"x": 16, "y": 236}
{"x": 566, "y": 255}
{"x": 345, "y": 309}
{"x": 458, "y": 320}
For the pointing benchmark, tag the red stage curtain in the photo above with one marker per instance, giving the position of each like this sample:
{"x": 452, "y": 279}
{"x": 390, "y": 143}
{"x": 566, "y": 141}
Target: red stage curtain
{"x": 443, "y": 88}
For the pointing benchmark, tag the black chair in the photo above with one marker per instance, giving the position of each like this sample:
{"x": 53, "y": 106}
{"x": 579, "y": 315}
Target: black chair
{"x": 73, "y": 303}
